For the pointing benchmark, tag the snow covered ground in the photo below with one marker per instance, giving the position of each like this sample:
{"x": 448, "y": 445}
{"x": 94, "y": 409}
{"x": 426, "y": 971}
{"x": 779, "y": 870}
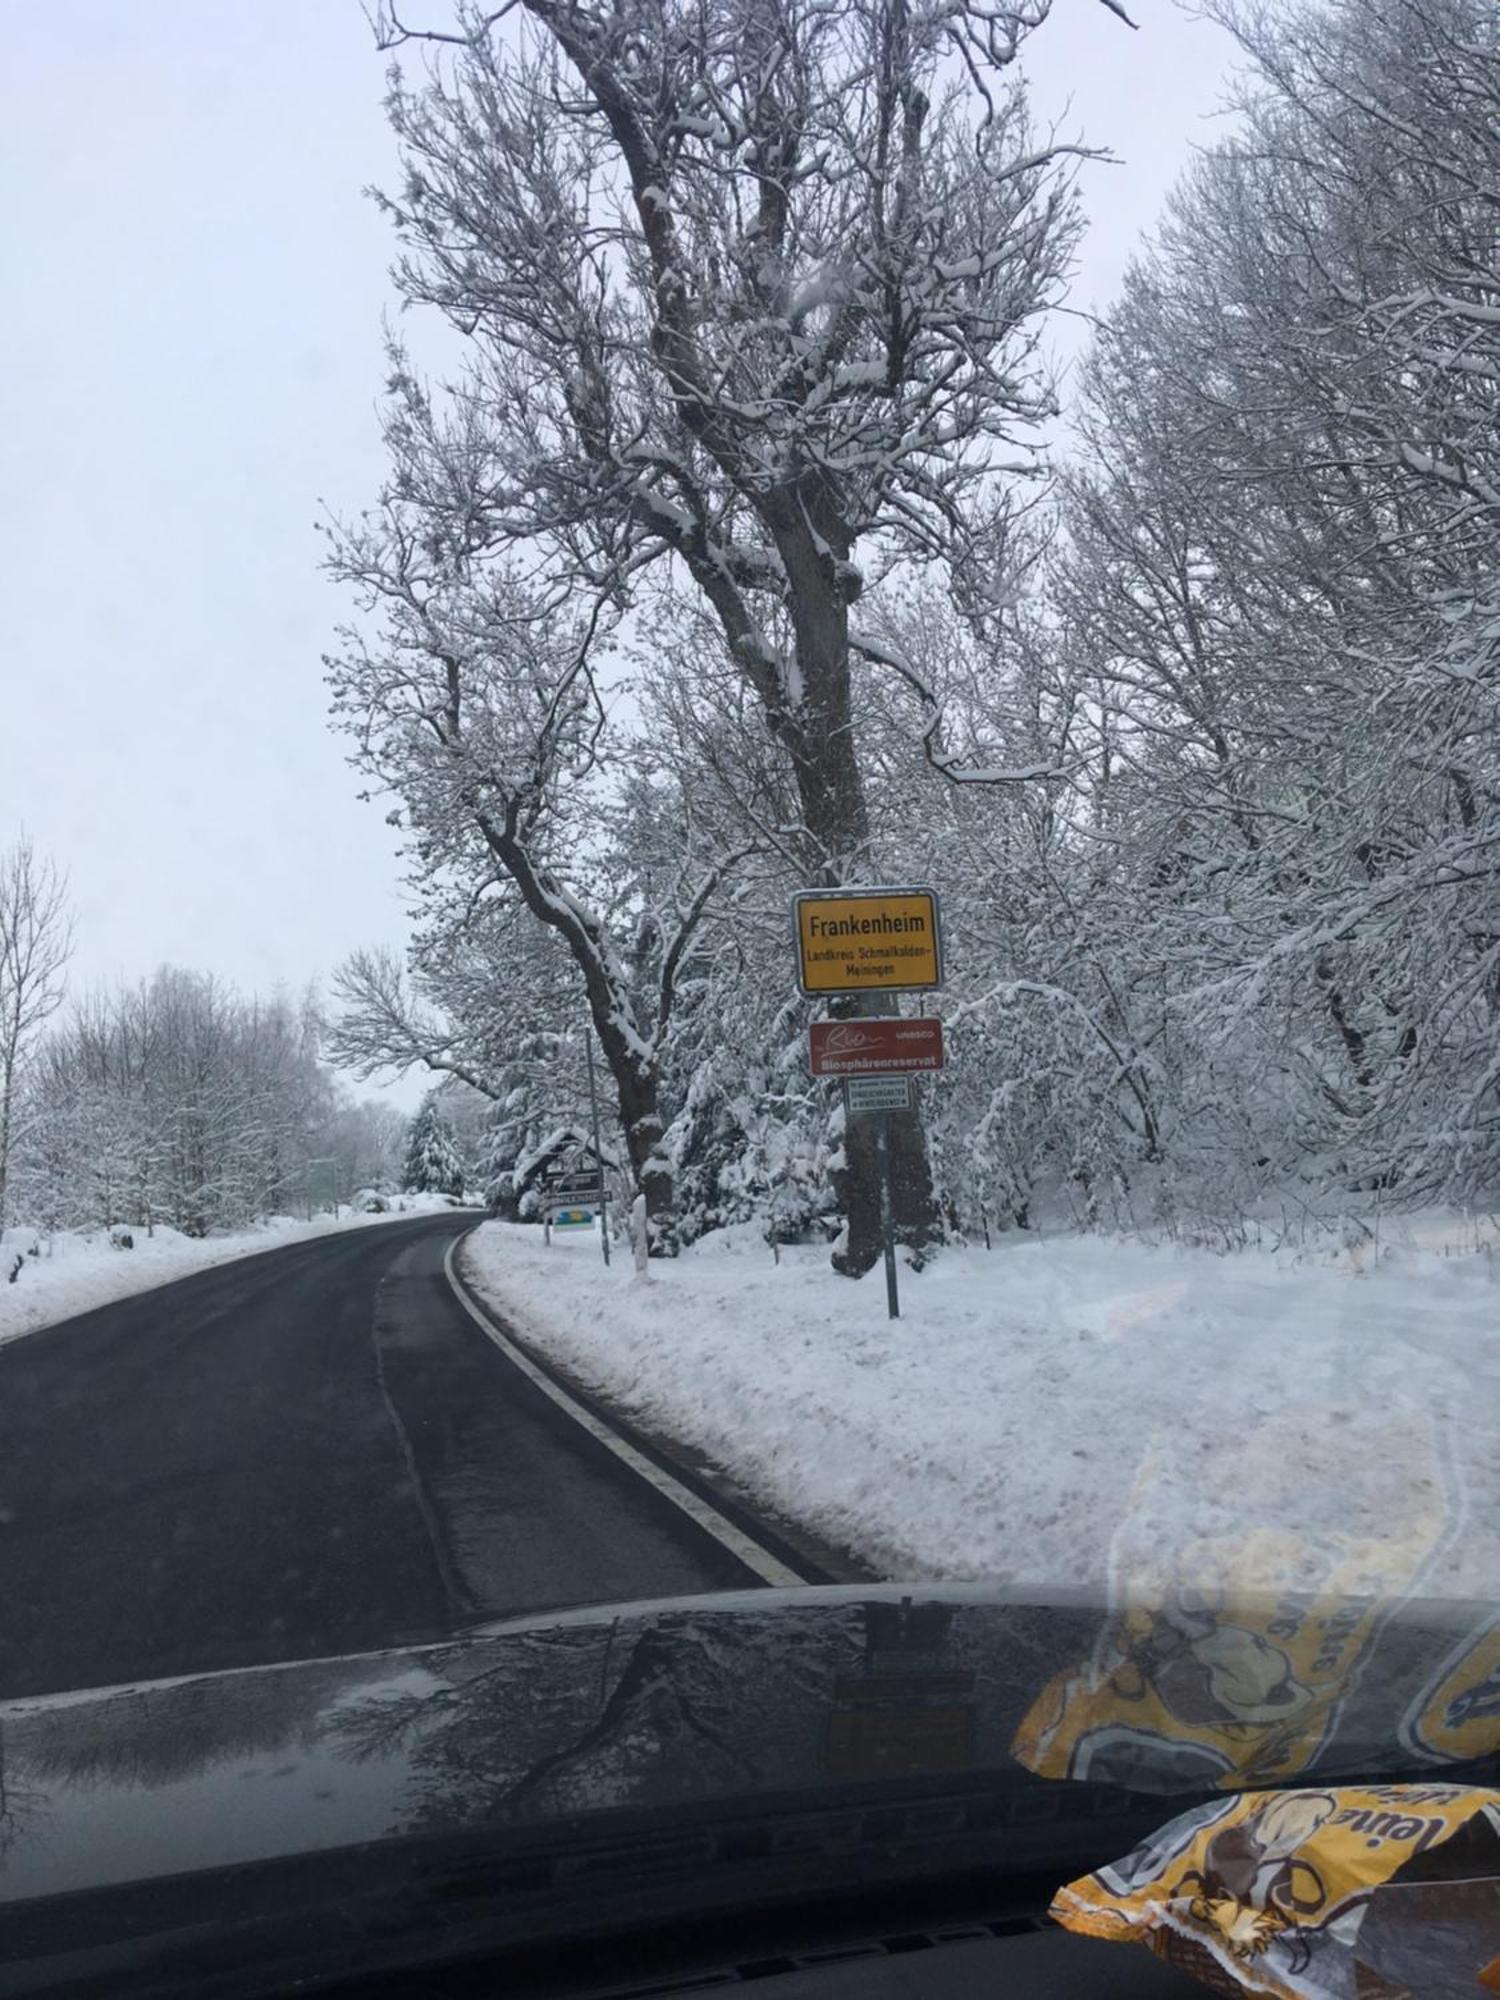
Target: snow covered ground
{"x": 1068, "y": 1409}
{"x": 76, "y": 1270}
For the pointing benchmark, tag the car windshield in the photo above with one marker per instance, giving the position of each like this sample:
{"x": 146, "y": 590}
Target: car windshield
{"x": 749, "y": 808}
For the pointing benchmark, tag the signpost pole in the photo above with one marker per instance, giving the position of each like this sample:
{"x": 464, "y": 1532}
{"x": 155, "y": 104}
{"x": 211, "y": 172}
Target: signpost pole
{"x": 887, "y": 1214}
{"x": 588, "y": 1049}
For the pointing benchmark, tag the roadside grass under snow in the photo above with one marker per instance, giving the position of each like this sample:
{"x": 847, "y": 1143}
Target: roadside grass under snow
{"x": 76, "y": 1270}
{"x": 1065, "y": 1409}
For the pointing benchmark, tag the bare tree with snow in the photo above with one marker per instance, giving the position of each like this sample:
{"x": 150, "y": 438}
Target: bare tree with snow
{"x": 751, "y": 293}
{"x": 483, "y": 715}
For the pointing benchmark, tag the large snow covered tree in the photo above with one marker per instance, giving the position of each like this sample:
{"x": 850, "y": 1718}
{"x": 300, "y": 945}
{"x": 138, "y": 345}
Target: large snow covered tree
{"x": 479, "y": 709}
{"x": 490, "y": 1004}
{"x": 751, "y": 292}
{"x": 1242, "y": 959}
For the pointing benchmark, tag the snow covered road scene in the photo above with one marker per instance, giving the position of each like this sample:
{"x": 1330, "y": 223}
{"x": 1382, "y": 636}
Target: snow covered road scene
{"x": 750, "y": 948}
{"x": 48, "y": 1277}
{"x": 1064, "y": 1410}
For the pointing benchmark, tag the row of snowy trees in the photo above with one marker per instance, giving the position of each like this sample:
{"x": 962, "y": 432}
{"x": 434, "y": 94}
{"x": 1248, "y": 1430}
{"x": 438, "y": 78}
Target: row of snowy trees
{"x": 1270, "y": 634}
{"x": 720, "y": 570}
{"x": 36, "y": 941}
{"x": 179, "y": 1101}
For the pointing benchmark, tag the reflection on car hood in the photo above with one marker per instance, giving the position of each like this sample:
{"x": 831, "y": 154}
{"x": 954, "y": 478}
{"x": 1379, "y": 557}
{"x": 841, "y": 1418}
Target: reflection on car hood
{"x": 701, "y": 1703}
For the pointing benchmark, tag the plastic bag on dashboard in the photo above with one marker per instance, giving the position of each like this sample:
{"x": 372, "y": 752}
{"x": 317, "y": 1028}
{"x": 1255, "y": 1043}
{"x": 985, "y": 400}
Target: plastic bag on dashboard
{"x": 1202, "y": 1675}
{"x": 1386, "y": 1892}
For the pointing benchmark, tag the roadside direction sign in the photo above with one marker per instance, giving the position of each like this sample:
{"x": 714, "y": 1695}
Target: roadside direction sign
{"x": 572, "y": 1180}
{"x": 877, "y": 1093}
{"x": 874, "y": 1047}
{"x": 872, "y": 941}
{"x": 868, "y": 941}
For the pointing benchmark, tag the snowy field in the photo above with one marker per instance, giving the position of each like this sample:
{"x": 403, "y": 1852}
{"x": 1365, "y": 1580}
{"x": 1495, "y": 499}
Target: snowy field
{"x": 1060, "y": 1410}
{"x": 77, "y": 1270}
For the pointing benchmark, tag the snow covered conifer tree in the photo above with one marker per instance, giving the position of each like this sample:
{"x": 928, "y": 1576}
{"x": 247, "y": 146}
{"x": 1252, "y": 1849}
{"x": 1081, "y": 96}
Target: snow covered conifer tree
{"x": 432, "y": 1163}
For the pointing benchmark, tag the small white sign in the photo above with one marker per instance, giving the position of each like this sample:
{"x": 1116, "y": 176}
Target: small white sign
{"x": 877, "y": 1093}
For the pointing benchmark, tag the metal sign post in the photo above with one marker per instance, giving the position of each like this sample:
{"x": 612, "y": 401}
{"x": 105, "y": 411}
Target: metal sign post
{"x": 887, "y": 1219}
{"x": 588, "y": 1049}
{"x": 878, "y": 1097}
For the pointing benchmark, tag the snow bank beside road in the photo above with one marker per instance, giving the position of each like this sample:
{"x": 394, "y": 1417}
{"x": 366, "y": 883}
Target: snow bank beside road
{"x": 78, "y": 1270}
{"x": 1050, "y": 1409}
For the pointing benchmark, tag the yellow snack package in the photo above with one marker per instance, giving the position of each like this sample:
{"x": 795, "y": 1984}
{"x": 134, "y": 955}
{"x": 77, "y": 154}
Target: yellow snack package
{"x": 1230, "y": 1660}
{"x": 1385, "y": 1892}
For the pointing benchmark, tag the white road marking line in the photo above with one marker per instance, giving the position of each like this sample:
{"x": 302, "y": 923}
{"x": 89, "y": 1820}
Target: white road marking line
{"x": 766, "y": 1566}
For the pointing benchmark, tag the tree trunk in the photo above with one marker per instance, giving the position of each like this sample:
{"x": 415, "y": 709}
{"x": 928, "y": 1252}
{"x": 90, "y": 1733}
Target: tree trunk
{"x": 640, "y": 1115}
{"x": 637, "y": 1076}
{"x": 831, "y": 792}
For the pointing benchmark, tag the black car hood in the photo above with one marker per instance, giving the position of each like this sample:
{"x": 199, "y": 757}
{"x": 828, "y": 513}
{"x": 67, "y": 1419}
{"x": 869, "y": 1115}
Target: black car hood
{"x": 536, "y": 1736}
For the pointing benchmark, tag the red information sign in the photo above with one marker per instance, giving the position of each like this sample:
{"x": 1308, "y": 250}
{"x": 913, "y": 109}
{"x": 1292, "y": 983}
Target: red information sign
{"x": 874, "y": 1047}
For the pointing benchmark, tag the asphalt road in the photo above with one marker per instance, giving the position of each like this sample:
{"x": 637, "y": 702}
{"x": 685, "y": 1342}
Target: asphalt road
{"x": 307, "y": 1452}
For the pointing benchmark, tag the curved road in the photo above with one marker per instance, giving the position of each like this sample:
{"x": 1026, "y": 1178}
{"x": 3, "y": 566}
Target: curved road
{"x": 310, "y": 1451}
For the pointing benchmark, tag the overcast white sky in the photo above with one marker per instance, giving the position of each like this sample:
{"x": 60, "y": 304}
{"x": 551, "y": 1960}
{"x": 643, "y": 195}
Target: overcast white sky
{"x": 192, "y": 295}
